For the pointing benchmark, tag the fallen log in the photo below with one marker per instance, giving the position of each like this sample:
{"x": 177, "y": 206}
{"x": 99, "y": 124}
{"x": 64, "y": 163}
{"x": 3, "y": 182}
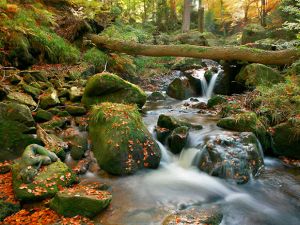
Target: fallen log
{"x": 242, "y": 53}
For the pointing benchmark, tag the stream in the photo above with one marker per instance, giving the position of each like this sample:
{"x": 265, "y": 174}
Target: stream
{"x": 149, "y": 196}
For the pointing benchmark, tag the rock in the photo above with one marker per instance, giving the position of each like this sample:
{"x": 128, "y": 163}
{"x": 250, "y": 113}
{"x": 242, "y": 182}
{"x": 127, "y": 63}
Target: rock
{"x": 162, "y": 133}
{"x": 156, "y": 96}
{"x": 7, "y": 209}
{"x": 75, "y": 94}
{"x": 16, "y": 124}
{"x": 76, "y": 110}
{"x": 57, "y": 112}
{"x": 106, "y": 87}
{"x": 34, "y": 92}
{"x": 78, "y": 142}
{"x": 216, "y": 100}
{"x": 252, "y": 33}
{"x": 80, "y": 200}
{"x": 286, "y": 138}
{"x": 235, "y": 157}
{"x": 120, "y": 141}
{"x": 180, "y": 88}
{"x": 49, "y": 99}
{"x": 170, "y": 122}
{"x": 83, "y": 70}
{"x": 188, "y": 64}
{"x": 247, "y": 122}
{"x": 35, "y": 75}
{"x": 46, "y": 183}
{"x": 178, "y": 139}
{"x": 192, "y": 38}
{"x": 55, "y": 123}
{"x": 43, "y": 115}
{"x": 196, "y": 215}
{"x": 223, "y": 84}
{"x": 21, "y": 98}
{"x": 208, "y": 75}
{"x": 256, "y": 74}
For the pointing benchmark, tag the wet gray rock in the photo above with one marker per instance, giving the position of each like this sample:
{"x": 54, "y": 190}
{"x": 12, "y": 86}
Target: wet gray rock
{"x": 235, "y": 157}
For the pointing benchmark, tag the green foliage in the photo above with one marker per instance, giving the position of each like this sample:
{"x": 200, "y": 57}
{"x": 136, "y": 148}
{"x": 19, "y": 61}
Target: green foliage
{"x": 144, "y": 63}
{"x": 30, "y": 28}
{"x": 89, "y": 8}
{"x": 279, "y": 102}
{"x": 128, "y": 32}
{"x": 291, "y": 10}
{"x": 96, "y": 57}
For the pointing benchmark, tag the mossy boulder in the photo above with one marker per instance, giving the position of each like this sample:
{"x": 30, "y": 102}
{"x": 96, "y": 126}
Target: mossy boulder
{"x": 7, "y": 209}
{"x": 33, "y": 91}
{"x": 80, "y": 200}
{"x": 45, "y": 184}
{"x": 233, "y": 157}
{"x": 171, "y": 122}
{"x": 257, "y": 74}
{"x": 286, "y": 138}
{"x": 120, "y": 141}
{"x": 252, "y": 33}
{"x": 43, "y": 115}
{"x": 247, "y": 122}
{"x": 16, "y": 126}
{"x": 196, "y": 215}
{"x": 216, "y": 100}
{"x": 76, "y": 110}
{"x": 156, "y": 96}
{"x": 106, "y": 87}
{"x": 181, "y": 88}
{"x": 178, "y": 139}
{"x": 21, "y": 98}
{"x": 75, "y": 94}
{"x": 49, "y": 99}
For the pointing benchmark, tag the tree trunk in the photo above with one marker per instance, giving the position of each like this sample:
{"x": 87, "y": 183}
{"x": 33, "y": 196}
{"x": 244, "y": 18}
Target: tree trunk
{"x": 186, "y": 23}
{"x": 216, "y": 53}
{"x": 263, "y": 13}
{"x": 201, "y": 17}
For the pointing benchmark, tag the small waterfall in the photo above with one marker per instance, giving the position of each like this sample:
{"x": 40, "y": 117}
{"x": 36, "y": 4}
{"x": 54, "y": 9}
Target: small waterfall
{"x": 207, "y": 89}
{"x": 187, "y": 157}
{"x": 212, "y": 84}
{"x": 200, "y": 75}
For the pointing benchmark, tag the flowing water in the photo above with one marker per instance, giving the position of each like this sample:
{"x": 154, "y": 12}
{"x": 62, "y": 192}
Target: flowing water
{"x": 149, "y": 196}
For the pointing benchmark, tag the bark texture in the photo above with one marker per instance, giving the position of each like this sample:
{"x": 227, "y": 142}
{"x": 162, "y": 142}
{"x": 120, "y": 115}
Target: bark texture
{"x": 284, "y": 57}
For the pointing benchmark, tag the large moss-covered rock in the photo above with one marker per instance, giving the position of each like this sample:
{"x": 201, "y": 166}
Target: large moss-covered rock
{"x": 235, "y": 157}
{"x": 196, "y": 215}
{"x": 120, "y": 141}
{"x": 106, "y": 87}
{"x": 46, "y": 182}
{"x": 180, "y": 88}
{"x": 247, "y": 122}
{"x": 7, "y": 209}
{"x": 252, "y": 33}
{"x": 216, "y": 100}
{"x": 16, "y": 124}
{"x": 257, "y": 74}
{"x": 21, "y": 98}
{"x": 286, "y": 138}
{"x": 80, "y": 200}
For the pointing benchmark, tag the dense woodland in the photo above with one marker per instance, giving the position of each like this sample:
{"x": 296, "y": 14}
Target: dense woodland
{"x": 125, "y": 112}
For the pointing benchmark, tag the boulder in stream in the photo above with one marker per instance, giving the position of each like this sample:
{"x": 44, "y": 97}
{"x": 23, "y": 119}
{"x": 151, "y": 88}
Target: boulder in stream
{"x": 181, "y": 88}
{"x": 196, "y": 215}
{"x": 106, "y": 87}
{"x": 80, "y": 200}
{"x": 120, "y": 141}
{"x": 235, "y": 157}
{"x": 171, "y": 122}
{"x": 178, "y": 139}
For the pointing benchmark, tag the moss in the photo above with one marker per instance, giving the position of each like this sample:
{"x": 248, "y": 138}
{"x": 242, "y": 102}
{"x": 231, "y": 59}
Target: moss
{"x": 120, "y": 141}
{"x": 80, "y": 203}
{"x": 216, "y": 100}
{"x": 257, "y": 74}
{"x": 7, "y": 209}
{"x": 96, "y": 57}
{"x": 46, "y": 184}
{"x": 43, "y": 115}
{"x": 108, "y": 87}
